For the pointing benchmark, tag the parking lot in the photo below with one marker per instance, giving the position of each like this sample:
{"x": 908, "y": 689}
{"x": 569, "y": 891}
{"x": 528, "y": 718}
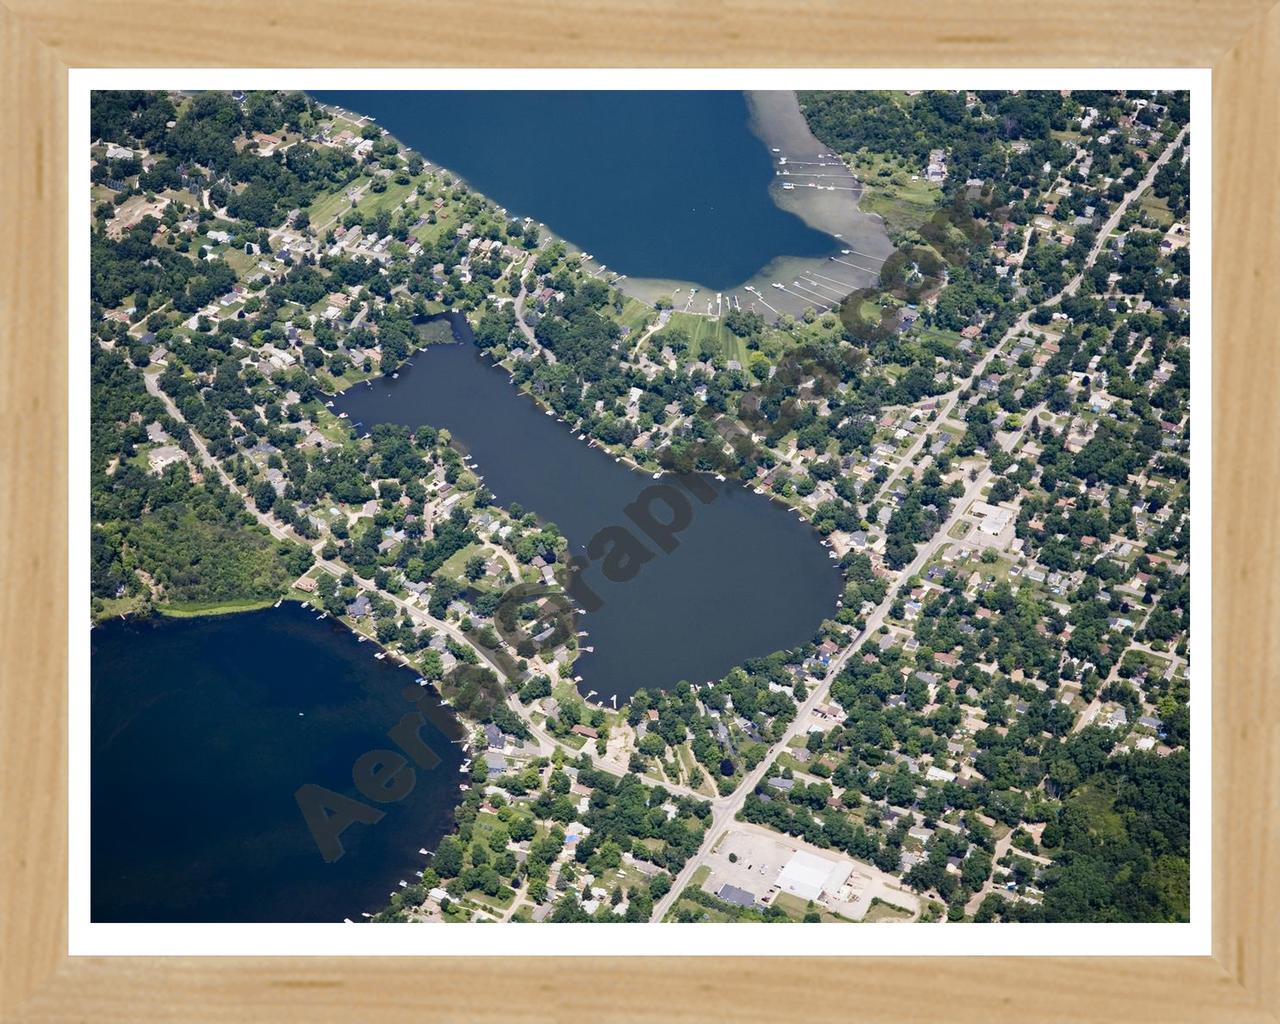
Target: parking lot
{"x": 751, "y": 858}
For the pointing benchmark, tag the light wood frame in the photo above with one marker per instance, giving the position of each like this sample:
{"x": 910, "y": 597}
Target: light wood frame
{"x": 41, "y": 39}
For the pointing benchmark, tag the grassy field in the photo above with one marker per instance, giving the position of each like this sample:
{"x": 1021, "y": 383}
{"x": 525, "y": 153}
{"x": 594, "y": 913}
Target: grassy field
{"x": 708, "y": 337}
{"x": 446, "y": 223}
{"x": 112, "y": 606}
{"x": 1104, "y": 821}
{"x": 796, "y": 908}
{"x": 437, "y": 332}
{"x": 899, "y": 195}
{"x": 326, "y": 207}
{"x": 937, "y": 338}
{"x": 188, "y": 610}
{"x": 493, "y": 904}
{"x": 634, "y": 315}
{"x": 455, "y": 563}
{"x": 882, "y": 912}
{"x": 182, "y": 195}
{"x": 1137, "y": 660}
{"x": 373, "y": 202}
{"x": 1156, "y": 209}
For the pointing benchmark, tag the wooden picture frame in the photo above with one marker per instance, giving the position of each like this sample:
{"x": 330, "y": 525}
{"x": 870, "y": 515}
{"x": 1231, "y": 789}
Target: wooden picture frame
{"x": 42, "y": 39}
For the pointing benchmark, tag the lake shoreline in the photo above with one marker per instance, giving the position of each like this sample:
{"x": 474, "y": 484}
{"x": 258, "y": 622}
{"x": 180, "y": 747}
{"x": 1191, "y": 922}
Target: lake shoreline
{"x": 315, "y": 684}
{"x": 777, "y": 122}
{"x": 776, "y": 119}
{"x": 487, "y": 441}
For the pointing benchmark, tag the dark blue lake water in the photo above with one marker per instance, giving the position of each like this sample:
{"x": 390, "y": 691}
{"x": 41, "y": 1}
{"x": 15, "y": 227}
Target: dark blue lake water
{"x": 670, "y": 185}
{"x": 746, "y": 578}
{"x": 204, "y": 729}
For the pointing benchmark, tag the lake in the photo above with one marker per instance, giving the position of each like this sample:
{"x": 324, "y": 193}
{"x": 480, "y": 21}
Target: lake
{"x": 669, "y": 185}
{"x": 746, "y": 578}
{"x": 204, "y": 729}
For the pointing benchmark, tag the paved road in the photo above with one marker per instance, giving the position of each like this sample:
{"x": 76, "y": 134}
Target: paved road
{"x": 724, "y": 809}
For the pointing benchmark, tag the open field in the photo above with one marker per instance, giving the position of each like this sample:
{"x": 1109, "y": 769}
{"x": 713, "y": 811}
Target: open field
{"x": 1156, "y": 209}
{"x": 327, "y": 207}
{"x": 796, "y": 909}
{"x": 882, "y": 912}
{"x": 188, "y": 610}
{"x": 709, "y": 337}
{"x": 900, "y": 196}
{"x": 372, "y": 203}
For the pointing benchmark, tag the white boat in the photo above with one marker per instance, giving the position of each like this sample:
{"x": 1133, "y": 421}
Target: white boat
{"x": 788, "y": 186}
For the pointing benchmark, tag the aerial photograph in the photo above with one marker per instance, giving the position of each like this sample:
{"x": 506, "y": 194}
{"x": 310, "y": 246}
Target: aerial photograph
{"x": 524, "y": 506}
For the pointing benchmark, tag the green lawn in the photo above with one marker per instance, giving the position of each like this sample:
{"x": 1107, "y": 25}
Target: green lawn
{"x": 634, "y": 315}
{"x": 111, "y": 606}
{"x": 899, "y": 195}
{"x": 190, "y": 609}
{"x": 446, "y": 223}
{"x": 1154, "y": 664}
{"x": 1156, "y": 209}
{"x": 373, "y": 202}
{"x": 708, "y": 337}
{"x": 882, "y": 912}
{"x": 796, "y": 908}
{"x": 942, "y": 339}
{"x": 325, "y": 208}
